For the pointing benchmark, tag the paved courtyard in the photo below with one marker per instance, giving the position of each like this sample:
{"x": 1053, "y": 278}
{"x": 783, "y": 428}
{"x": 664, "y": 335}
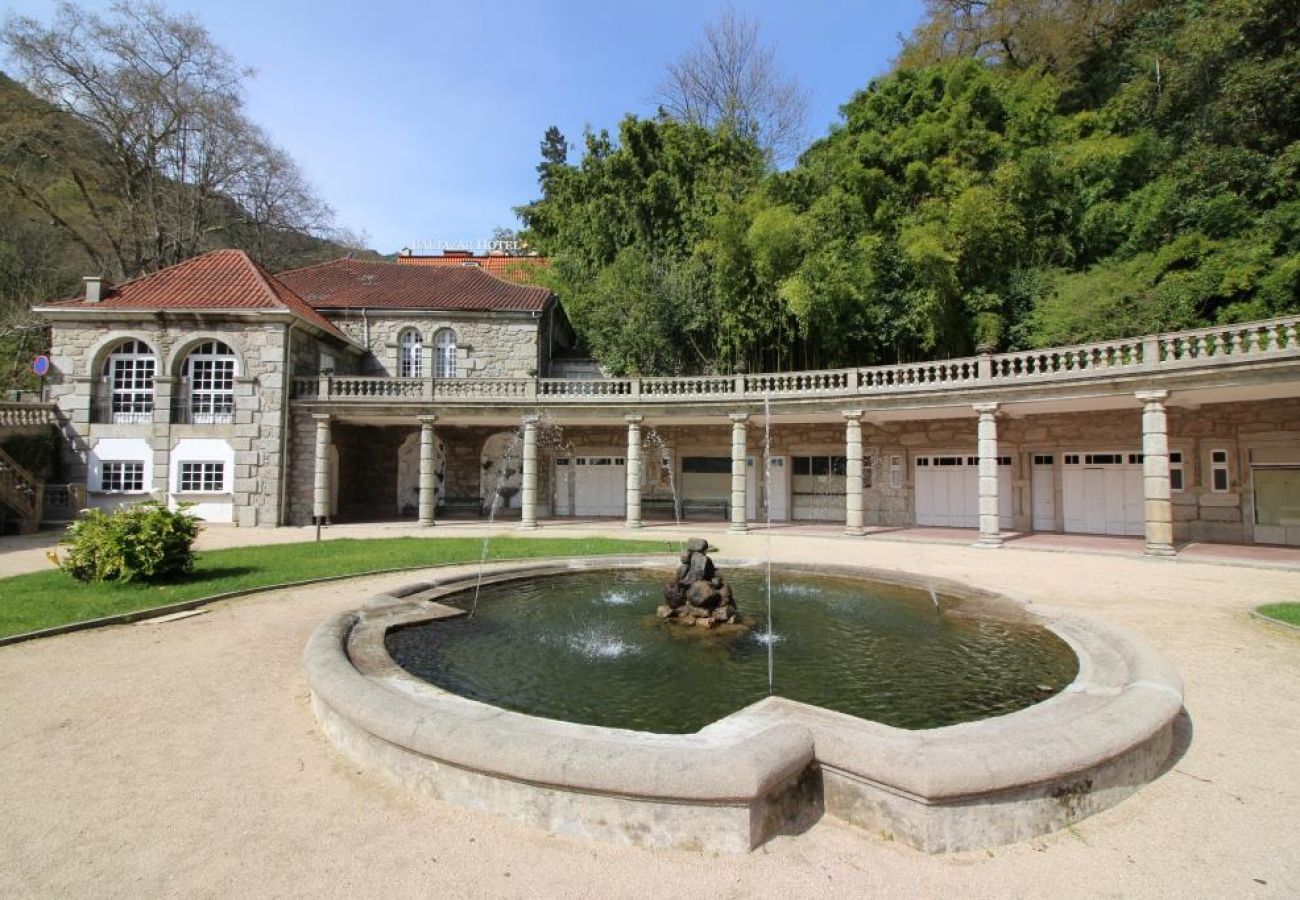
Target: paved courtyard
{"x": 183, "y": 759}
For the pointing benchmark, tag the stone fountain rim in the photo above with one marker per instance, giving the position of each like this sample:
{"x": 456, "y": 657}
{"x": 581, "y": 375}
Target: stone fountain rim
{"x": 1124, "y": 696}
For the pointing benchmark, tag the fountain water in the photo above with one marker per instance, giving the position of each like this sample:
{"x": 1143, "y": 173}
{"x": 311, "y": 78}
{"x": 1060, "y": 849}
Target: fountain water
{"x": 653, "y": 440}
{"x": 770, "y": 636}
{"x": 550, "y": 436}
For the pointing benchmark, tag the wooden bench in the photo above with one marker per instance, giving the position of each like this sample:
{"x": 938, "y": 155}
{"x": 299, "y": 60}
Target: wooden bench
{"x": 464, "y": 506}
{"x": 718, "y": 508}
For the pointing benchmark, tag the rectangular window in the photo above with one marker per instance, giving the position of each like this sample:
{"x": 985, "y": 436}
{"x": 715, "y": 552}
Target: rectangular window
{"x": 327, "y": 362}
{"x": 203, "y": 478}
{"x": 1219, "y": 471}
{"x": 122, "y": 477}
{"x": 708, "y": 465}
{"x": 895, "y": 472}
{"x": 868, "y": 472}
{"x": 1071, "y": 459}
{"x": 1175, "y": 470}
{"x": 1043, "y": 459}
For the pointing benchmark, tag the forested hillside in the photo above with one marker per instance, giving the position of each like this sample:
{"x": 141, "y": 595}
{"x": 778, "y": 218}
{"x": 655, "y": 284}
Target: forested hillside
{"x": 124, "y": 149}
{"x": 1032, "y": 172}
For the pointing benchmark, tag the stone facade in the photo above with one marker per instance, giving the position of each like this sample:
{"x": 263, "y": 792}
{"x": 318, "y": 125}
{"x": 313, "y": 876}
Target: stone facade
{"x": 496, "y": 346}
{"x": 254, "y": 437}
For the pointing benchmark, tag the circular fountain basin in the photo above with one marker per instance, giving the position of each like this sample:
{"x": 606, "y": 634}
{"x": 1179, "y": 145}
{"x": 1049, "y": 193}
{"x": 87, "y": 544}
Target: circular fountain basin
{"x": 587, "y": 647}
{"x": 979, "y": 762}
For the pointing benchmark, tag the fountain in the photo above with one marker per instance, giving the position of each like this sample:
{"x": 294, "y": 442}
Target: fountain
{"x": 697, "y": 594}
{"x": 564, "y": 705}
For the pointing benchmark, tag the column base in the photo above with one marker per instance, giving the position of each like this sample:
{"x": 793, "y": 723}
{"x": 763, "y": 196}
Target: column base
{"x": 632, "y": 525}
{"x": 988, "y": 542}
{"x": 528, "y": 526}
{"x": 855, "y": 531}
{"x": 1164, "y": 551}
{"x": 426, "y": 524}
{"x": 738, "y": 529}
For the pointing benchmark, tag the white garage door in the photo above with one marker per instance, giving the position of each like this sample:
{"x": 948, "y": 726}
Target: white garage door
{"x": 947, "y": 491}
{"x": 1102, "y": 493}
{"x": 600, "y": 485}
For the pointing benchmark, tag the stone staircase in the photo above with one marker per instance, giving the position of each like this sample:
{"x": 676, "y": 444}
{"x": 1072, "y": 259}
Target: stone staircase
{"x": 20, "y": 495}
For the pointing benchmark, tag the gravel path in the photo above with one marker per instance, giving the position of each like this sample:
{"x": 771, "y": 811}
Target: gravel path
{"x": 182, "y": 759}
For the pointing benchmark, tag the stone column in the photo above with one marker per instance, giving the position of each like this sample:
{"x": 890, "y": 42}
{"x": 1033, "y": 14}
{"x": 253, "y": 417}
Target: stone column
{"x": 1155, "y": 474}
{"x": 990, "y": 532}
{"x": 528, "y": 518}
{"x": 428, "y": 471}
{"x": 321, "y": 493}
{"x": 853, "y": 520}
{"x": 738, "y": 522}
{"x": 633, "y": 471}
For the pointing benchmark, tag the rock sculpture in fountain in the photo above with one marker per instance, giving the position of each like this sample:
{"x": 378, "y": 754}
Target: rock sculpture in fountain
{"x": 698, "y": 596}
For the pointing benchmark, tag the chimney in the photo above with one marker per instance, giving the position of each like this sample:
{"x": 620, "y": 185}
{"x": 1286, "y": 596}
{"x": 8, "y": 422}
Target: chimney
{"x": 94, "y": 288}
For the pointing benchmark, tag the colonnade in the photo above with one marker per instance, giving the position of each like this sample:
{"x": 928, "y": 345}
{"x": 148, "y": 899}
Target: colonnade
{"x": 1155, "y": 450}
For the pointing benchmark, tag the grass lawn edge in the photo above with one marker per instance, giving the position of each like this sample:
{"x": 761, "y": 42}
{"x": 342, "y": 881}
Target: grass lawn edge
{"x": 1262, "y": 613}
{"x": 153, "y": 612}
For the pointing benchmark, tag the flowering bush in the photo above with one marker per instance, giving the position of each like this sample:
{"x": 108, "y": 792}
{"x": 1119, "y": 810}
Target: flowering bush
{"x": 145, "y": 541}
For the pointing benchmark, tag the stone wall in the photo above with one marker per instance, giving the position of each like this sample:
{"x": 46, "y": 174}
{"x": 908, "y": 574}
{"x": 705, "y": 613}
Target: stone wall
{"x": 255, "y": 435}
{"x": 499, "y": 346}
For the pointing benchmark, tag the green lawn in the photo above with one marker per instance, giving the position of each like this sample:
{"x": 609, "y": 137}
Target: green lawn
{"x": 1283, "y": 612}
{"x": 45, "y": 599}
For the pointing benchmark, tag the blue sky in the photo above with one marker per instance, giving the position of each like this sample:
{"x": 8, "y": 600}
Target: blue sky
{"x": 420, "y": 122}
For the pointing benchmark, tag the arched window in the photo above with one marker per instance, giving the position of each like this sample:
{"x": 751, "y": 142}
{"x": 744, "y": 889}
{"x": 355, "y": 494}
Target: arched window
{"x": 128, "y": 383}
{"x": 410, "y": 353}
{"x": 444, "y": 354}
{"x": 208, "y": 385}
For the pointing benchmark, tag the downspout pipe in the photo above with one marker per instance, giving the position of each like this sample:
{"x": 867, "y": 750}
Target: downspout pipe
{"x": 286, "y": 387}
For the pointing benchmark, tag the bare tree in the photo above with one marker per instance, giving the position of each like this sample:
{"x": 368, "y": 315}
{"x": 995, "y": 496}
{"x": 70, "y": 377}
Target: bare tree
{"x": 170, "y": 165}
{"x": 730, "y": 79}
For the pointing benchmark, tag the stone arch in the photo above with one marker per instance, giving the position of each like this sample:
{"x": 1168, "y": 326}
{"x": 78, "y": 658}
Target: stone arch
{"x": 176, "y": 360}
{"x": 100, "y": 350}
{"x": 501, "y": 470}
{"x": 408, "y": 473}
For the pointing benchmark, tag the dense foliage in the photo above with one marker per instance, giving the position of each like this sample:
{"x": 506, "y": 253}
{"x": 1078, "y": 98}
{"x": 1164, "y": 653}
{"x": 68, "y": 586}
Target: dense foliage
{"x": 140, "y": 542}
{"x": 1033, "y": 172}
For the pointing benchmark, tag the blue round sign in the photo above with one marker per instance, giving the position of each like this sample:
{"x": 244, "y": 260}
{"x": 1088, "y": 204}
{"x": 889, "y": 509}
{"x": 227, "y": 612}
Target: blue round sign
{"x": 41, "y": 365}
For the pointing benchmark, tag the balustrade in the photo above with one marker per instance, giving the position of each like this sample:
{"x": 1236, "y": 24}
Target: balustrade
{"x": 1205, "y": 346}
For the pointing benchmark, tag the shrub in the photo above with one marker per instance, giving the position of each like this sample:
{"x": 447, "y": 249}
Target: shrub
{"x": 145, "y": 541}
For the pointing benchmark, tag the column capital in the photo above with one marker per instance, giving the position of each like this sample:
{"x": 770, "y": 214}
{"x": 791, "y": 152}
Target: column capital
{"x": 986, "y": 408}
{"x": 852, "y": 415}
{"x": 428, "y": 419}
{"x": 739, "y": 418}
{"x": 1152, "y": 396}
{"x": 321, "y": 418}
{"x": 633, "y": 419}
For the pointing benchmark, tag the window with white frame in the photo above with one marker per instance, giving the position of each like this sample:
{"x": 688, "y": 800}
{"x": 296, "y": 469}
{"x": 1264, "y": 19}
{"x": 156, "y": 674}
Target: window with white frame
{"x": 1175, "y": 470}
{"x": 209, "y": 381}
{"x": 122, "y": 477}
{"x": 1219, "y": 471}
{"x": 895, "y": 472}
{"x": 410, "y": 354}
{"x": 202, "y": 477}
{"x": 128, "y": 383}
{"x": 444, "y": 354}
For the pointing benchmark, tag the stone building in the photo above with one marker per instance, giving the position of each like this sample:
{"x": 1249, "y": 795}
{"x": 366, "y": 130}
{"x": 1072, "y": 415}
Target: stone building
{"x": 359, "y": 390}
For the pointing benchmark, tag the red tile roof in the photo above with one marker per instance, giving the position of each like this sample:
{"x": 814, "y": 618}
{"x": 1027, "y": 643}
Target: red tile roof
{"x": 222, "y": 279}
{"x": 353, "y": 283}
{"x": 519, "y": 269}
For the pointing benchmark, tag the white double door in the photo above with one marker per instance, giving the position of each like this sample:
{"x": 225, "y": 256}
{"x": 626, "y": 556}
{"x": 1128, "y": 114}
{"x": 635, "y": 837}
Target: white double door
{"x": 1102, "y": 493}
{"x": 599, "y": 485}
{"x": 947, "y": 490}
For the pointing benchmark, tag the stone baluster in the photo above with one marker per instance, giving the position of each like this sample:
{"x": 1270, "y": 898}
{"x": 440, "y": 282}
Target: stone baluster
{"x": 1158, "y": 510}
{"x": 321, "y": 486}
{"x": 738, "y": 474}
{"x": 633, "y": 471}
{"x": 854, "y": 523}
{"x": 528, "y": 515}
{"x": 990, "y": 529}
{"x": 428, "y": 471}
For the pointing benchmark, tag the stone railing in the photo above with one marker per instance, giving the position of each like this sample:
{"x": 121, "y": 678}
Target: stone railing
{"x": 17, "y": 415}
{"x": 1222, "y": 345}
